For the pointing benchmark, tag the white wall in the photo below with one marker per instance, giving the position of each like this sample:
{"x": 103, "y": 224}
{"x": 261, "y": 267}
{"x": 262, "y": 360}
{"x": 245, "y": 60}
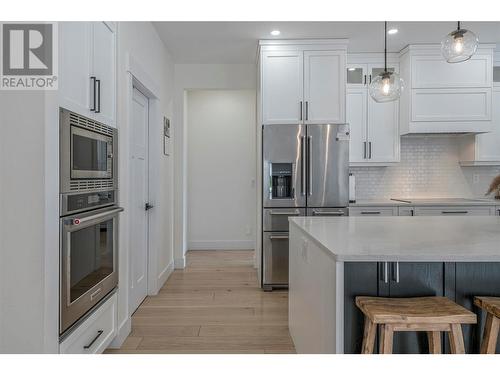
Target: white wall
{"x": 141, "y": 52}
{"x": 188, "y": 77}
{"x": 221, "y": 169}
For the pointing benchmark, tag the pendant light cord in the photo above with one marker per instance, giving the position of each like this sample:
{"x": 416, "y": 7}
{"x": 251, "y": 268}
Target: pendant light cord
{"x": 385, "y": 46}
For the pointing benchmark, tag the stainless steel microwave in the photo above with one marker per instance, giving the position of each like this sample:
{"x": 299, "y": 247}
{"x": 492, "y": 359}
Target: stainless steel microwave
{"x": 87, "y": 154}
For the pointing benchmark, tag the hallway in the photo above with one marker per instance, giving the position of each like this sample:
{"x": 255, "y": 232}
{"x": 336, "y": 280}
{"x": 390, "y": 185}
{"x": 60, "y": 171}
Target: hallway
{"x": 213, "y": 306}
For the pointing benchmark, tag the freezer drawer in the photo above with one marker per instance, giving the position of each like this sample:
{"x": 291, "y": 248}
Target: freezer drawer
{"x": 327, "y": 212}
{"x": 275, "y": 267}
{"x": 276, "y": 219}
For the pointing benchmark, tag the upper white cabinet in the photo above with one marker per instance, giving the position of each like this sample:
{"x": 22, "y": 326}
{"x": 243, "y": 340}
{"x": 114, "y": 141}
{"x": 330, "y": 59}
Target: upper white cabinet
{"x": 374, "y": 126}
{"x": 324, "y": 77}
{"x": 303, "y": 81}
{"x": 87, "y": 79}
{"x": 445, "y": 98}
{"x": 282, "y": 87}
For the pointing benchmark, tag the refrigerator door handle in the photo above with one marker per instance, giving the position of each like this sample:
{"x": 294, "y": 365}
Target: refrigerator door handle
{"x": 309, "y": 162}
{"x": 302, "y": 166}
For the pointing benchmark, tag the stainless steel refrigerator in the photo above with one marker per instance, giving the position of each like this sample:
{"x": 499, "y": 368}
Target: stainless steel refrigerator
{"x": 305, "y": 173}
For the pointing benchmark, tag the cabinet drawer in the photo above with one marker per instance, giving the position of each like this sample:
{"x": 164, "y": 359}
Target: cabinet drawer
{"x": 276, "y": 219}
{"x": 95, "y": 333}
{"x": 454, "y": 211}
{"x": 373, "y": 211}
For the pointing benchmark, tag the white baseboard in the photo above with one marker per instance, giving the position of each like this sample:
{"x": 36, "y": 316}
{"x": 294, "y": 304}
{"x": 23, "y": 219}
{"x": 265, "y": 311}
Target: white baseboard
{"x": 221, "y": 245}
{"x": 180, "y": 263}
{"x": 123, "y": 332}
{"x": 164, "y": 275}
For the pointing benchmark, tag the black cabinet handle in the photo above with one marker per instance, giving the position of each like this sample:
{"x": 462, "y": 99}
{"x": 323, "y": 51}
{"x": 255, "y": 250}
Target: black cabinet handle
{"x": 98, "y": 82}
{"x": 365, "y": 80}
{"x": 454, "y": 212}
{"x": 395, "y": 272}
{"x": 307, "y": 110}
{"x": 94, "y": 89}
{"x": 370, "y": 212}
{"x": 99, "y": 333}
{"x": 300, "y": 109}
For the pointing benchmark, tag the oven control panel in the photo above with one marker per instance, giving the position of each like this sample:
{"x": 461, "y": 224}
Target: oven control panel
{"x": 86, "y": 201}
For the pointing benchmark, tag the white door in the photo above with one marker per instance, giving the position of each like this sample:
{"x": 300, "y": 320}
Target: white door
{"x": 488, "y": 144}
{"x": 383, "y": 131}
{"x": 74, "y": 66}
{"x": 139, "y": 197}
{"x": 282, "y": 87}
{"x": 356, "y": 118}
{"x": 103, "y": 67}
{"x": 324, "y": 87}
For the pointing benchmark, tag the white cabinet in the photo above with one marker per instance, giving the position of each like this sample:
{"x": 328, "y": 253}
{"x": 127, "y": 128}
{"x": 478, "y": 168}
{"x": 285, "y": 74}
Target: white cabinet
{"x": 455, "y": 211}
{"x": 324, "y": 87}
{"x": 484, "y": 149}
{"x": 87, "y": 69}
{"x": 374, "y": 126}
{"x": 445, "y": 98}
{"x": 373, "y": 211}
{"x": 303, "y": 82}
{"x": 282, "y": 87}
{"x": 95, "y": 333}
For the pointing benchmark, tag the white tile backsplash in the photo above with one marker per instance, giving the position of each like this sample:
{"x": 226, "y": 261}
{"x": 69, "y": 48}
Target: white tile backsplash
{"x": 429, "y": 167}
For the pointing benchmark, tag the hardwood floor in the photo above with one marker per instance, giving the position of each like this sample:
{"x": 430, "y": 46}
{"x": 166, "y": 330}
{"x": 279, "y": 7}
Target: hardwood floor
{"x": 215, "y": 305}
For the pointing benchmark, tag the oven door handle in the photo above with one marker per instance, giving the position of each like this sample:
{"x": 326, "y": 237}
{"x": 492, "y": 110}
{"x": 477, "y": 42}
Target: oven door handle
{"x": 75, "y": 222}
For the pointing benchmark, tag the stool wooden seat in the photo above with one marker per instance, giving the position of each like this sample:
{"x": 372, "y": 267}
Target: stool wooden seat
{"x": 430, "y": 314}
{"x": 490, "y": 336}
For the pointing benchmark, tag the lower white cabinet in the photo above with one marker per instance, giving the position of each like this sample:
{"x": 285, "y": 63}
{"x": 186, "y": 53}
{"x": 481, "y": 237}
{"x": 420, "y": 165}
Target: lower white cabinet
{"x": 373, "y": 211}
{"x": 455, "y": 211}
{"x": 95, "y": 333}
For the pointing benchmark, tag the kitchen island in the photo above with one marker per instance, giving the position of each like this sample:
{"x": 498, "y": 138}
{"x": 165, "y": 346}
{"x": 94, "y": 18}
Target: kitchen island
{"x": 334, "y": 259}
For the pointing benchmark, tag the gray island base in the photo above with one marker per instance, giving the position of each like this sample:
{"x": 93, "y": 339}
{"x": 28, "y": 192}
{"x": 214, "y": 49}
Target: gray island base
{"x": 335, "y": 259}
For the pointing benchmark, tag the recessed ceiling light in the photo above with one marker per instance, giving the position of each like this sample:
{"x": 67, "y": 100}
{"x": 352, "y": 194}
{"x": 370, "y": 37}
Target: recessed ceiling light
{"x": 392, "y": 31}
{"x": 275, "y": 32}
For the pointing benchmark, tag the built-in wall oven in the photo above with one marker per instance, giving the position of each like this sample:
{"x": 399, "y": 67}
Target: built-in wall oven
{"x": 88, "y": 215}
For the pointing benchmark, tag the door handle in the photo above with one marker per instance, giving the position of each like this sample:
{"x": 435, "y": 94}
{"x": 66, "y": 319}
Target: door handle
{"x": 307, "y": 110}
{"x": 99, "y": 333}
{"x": 148, "y": 206}
{"x": 300, "y": 109}
{"x": 302, "y": 166}
{"x": 309, "y": 159}
{"x": 98, "y": 82}
{"x": 328, "y": 213}
{"x": 284, "y": 213}
{"x": 369, "y": 150}
{"x": 278, "y": 237}
{"x": 365, "y": 80}
{"x": 93, "y": 80}
{"x": 364, "y": 150}
{"x": 395, "y": 272}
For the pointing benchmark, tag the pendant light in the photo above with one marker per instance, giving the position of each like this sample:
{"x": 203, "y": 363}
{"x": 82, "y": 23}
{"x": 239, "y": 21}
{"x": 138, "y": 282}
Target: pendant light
{"x": 387, "y": 86}
{"x": 459, "y": 45}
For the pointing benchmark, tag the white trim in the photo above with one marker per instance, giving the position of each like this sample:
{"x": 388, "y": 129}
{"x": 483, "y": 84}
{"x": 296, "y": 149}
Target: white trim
{"x": 222, "y": 245}
{"x": 180, "y": 263}
{"x": 164, "y": 275}
{"x": 122, "y": 333}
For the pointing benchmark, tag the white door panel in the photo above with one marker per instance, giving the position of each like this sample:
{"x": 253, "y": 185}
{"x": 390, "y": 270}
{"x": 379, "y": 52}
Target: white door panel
{"x": 383, "y": 131}
{"x": 282, "y": 87}
{"x": 324, "y": 87}
{"x": 356, "y": 117}
{"x": 139, "y": 196}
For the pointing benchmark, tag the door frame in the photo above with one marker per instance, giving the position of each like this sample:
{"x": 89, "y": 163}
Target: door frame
{"x": 139, "y": 79}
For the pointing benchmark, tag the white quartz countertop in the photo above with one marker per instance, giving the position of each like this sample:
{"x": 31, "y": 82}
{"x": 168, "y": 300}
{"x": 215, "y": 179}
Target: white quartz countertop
{"x": 397, "y": 238}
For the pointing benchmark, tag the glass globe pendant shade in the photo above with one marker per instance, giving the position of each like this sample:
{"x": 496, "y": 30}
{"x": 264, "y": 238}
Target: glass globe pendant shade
{"x": 459, "y": 45}
{"x": 386, "y": 87}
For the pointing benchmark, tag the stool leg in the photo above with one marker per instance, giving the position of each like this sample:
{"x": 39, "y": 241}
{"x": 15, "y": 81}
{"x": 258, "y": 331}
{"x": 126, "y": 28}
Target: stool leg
{"x": 456, "y": 339}
{"x": 368, "y": 336}
{"x": 386, "y": 336}
{"x": 434, "y": 338}
{"x": 490, "y": 336}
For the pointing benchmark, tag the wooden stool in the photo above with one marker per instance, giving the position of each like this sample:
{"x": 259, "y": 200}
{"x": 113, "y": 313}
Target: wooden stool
{"x": 430, "y": 314}
{"x": 490, "y": 336}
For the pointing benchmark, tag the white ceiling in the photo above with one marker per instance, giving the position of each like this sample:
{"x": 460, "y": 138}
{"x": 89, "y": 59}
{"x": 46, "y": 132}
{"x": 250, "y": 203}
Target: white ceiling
{"x": 236, "y": 42}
